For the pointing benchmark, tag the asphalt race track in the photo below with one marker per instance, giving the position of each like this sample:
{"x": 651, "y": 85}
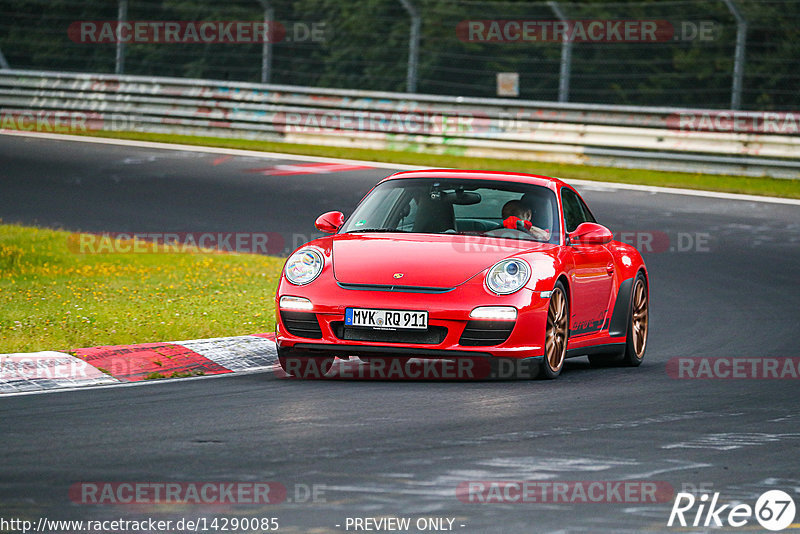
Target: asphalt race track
{"x": 402, "y": 448}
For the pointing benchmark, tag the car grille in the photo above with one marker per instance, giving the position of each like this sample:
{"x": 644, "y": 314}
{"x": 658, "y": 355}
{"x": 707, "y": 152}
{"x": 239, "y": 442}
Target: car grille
{"x": 394, "y": 289}
{"x": 432, "y": 336}
{"x": 485, "y": 333}
{"x": 301, "y": 324}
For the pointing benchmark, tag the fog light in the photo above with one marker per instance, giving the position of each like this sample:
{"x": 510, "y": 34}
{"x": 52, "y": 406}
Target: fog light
{"x": 494, "y": 313}
{"x": 296, "y": 303}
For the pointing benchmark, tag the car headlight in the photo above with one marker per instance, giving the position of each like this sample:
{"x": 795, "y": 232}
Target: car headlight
{"x": 304, "y": 266}
{"x": 508, "y": 276}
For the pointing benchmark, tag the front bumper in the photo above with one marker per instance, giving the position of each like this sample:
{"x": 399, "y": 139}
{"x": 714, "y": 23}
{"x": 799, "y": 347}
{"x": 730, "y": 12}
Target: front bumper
{"x": 448, "y": 317}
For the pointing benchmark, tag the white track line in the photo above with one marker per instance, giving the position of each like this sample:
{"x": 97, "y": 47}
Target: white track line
{"x": 687, "y": 192}
{"x": 392, "y": 166}
{"x": 207, "y": 149}
{"x": 270, "y": 369}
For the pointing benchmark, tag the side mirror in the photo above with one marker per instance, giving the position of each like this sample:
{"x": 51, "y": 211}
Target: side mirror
{"x": 590, "y": 234}
{"x": 330, "y": 222}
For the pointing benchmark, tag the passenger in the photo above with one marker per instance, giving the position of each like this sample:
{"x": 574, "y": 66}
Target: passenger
{"x": 517, "y": 216}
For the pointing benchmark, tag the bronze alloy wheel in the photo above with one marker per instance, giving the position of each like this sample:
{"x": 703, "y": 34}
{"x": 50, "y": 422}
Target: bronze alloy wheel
{"x": 557, "y": 330}
{"x": 639, "y": 318}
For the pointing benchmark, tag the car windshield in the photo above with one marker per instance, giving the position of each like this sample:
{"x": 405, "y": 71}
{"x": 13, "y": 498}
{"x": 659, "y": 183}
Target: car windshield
{"x": 472, "y": 207}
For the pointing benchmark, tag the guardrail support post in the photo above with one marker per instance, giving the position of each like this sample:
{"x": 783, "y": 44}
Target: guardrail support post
{"x": 266, "y": 47}
{"x": 738, "y": 57}
{"x": 122, "y": 16}
{"x": 413, "y": 46}
{"x": 3, "y": 62}
{"x": 566, "y": 56}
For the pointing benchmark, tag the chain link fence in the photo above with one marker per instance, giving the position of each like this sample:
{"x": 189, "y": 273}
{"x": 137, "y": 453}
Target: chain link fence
{"x": 739, "y": 54}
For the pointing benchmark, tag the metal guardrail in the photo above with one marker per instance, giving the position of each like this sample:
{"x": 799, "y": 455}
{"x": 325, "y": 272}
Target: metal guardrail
{"x": 689, "y": 140}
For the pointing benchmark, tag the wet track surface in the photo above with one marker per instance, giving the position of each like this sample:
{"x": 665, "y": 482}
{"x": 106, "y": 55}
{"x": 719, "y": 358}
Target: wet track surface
{"x": 402, "y": 448}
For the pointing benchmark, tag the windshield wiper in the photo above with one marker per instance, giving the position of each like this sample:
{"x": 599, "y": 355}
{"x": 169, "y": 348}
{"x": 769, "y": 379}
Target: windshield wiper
{"x": 378, "y": 230}
{"x": 520, "y": 237}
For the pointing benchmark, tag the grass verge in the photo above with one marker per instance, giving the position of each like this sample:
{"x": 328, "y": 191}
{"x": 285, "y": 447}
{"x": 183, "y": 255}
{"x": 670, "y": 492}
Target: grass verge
{"x": 710, "y": 182}
{"x": 52, "y": 298}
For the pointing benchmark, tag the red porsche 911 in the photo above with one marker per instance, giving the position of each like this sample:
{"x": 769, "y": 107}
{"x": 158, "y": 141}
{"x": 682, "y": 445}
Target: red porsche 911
{"x": 449, "y": 264}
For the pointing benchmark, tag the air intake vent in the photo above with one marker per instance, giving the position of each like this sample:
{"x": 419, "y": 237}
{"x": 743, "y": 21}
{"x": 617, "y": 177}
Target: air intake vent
{"x": 432, "y": 336}
{"x": 395, "y": 289}
{"x": 486, "y": 333}
{"x": 301, "y": 324}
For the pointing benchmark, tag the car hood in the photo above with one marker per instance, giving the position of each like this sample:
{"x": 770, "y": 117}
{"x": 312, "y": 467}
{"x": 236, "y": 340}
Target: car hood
{"x": 428, "y": 260}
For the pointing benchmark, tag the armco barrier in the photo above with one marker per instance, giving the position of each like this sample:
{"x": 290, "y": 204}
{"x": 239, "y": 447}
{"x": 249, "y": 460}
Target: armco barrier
{"x": 691, "y": 140}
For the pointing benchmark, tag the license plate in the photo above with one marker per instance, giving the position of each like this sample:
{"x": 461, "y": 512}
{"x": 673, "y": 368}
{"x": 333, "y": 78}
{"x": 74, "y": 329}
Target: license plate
{"x": 388, "y": 319}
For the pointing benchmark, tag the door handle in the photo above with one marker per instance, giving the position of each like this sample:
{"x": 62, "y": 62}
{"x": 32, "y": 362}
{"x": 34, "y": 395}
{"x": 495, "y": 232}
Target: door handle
{"x": 610, "y": 269}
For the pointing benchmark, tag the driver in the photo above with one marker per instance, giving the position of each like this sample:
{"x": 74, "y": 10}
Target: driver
{"x": 517, "y": 216}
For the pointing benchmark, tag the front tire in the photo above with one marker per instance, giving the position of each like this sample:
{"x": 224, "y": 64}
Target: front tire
{"x": 557, "y": 333}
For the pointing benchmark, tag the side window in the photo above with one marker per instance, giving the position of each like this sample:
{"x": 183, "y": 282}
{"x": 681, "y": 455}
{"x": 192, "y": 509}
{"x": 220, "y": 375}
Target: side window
{"x": 573, "y": 210}
{"x": 587, "y": 215}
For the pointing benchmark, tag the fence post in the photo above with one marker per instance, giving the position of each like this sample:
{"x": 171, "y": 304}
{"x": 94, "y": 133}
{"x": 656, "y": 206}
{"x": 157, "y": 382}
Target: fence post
{"x": 738, "y": 57}
{"x": 122, "y": 16}
{"x": 566, "y": 56}
{"x": 3, "y": 62}
{"x": 266, "y": 46}
{"x": 413, "y": 46}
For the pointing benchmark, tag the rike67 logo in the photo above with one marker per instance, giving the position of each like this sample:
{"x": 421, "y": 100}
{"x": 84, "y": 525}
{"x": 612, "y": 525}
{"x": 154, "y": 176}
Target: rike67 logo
{"x": 774, "y": 510}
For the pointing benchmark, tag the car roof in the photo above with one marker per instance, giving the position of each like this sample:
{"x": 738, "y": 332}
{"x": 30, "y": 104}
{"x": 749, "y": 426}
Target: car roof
{"x": 460, "y": 174}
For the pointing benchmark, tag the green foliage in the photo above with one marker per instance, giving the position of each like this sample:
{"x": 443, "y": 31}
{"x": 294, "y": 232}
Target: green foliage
{"x": 52, "y": 297}
{"x": 365, "y": 46}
